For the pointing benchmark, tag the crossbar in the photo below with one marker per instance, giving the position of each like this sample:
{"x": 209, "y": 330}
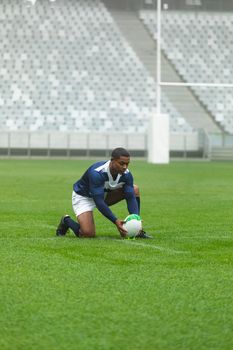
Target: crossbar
{"x": 170, "y": 83}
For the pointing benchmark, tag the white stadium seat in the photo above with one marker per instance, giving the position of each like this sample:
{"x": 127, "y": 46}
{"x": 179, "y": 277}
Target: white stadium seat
{"x": 65, "y": 66}
{"x": 200, "y": 47}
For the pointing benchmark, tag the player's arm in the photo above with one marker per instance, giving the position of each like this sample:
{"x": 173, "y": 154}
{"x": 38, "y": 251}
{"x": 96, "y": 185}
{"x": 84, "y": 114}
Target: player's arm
{"x": 97, "y": 192}
{"x": 128, "y": 189}
{"x": 105, "y": 210}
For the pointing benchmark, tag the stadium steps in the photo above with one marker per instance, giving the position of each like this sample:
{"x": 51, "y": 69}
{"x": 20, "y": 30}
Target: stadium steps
{"x": 145, "y": 47}
{"x": 221, "y": 153}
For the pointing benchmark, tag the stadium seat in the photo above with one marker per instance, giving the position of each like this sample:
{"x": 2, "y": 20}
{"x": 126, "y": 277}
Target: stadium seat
{"x": 66, "y": 66}
{"x": 200, "y": 47}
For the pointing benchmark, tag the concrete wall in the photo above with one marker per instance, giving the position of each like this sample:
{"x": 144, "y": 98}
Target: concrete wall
{"x": 186, "y": 5}
{"x": 87, "y": 144}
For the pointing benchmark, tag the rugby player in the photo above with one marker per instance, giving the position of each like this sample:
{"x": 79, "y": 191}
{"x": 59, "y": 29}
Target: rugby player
{"x": 103, "y": 184}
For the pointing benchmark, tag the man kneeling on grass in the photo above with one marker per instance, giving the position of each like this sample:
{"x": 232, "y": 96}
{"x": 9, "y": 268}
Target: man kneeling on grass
{"x": 103, "y": 184}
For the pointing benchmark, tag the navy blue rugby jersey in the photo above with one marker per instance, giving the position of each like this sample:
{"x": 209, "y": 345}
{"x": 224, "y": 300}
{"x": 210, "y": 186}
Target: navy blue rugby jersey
{"x": 97, "y": 180}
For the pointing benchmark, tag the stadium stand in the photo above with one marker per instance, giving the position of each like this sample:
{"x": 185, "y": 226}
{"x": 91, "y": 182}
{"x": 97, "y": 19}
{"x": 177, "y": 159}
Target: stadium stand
{"x": 65, "y": 66}
{"x": 200, "y": 47}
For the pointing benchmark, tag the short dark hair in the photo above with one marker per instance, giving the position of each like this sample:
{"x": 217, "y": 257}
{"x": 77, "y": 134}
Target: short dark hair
{"x": 119, "y": 152}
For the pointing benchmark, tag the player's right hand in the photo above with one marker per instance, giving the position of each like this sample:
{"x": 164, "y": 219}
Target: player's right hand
{"x": 119, "y": 224}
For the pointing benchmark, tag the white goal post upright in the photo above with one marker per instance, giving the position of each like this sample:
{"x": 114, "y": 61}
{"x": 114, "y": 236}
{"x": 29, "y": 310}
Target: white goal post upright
{"x": 158, "y": 135}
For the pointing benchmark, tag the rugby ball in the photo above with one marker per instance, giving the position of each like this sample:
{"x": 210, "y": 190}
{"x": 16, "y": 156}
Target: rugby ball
{"x": 133, "y": 225}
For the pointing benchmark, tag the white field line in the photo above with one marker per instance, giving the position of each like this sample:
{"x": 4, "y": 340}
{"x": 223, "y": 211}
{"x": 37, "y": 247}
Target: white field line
{"x": 156, "y": 247}
{"x": 124, "y": 241}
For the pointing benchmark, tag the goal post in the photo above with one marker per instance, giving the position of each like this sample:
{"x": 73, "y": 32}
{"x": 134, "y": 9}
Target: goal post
{"x": 158, "y": 147}
{"x": 158, "y": 139}
{"x": 158, "y": 133}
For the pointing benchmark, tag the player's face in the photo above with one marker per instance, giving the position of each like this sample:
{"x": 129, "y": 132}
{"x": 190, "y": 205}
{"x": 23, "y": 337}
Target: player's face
{"x": 120, "y": 165}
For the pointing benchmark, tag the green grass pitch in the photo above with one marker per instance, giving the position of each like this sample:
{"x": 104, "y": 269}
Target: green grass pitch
{"x": 65, "y": 293}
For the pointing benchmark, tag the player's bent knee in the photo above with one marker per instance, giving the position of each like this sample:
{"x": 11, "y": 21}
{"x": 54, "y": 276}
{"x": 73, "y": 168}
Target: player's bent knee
{"x": 136, "y": 190}
{"x": 87, "y": 234}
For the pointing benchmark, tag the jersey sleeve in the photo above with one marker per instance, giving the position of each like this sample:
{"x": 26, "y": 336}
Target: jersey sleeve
{"x": 97, "y": 193}
{"x": 103, "y": 208}
{"x": 128, "y": 189}
{"x": 96, "y": 184}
